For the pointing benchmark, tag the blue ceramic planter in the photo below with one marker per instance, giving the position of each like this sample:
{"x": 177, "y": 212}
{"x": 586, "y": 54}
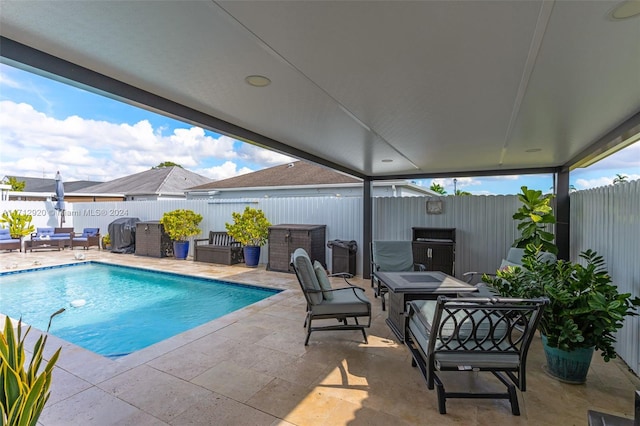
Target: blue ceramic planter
{"x": 570, "y": 367}
{"x": 180, "y": 249}
{"x": 252, "y": 256}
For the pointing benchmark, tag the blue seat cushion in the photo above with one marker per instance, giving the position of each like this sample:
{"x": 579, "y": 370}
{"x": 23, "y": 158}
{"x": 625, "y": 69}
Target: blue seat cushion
{"x": 90, "y": 232}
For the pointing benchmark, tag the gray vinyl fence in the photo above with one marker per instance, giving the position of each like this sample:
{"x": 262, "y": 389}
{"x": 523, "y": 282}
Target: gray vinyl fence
{"x": 604, "y": 219}
{"x": 607, "y": 220}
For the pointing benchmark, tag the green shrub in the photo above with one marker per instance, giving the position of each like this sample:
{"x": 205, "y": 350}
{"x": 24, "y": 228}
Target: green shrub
{"x": 19, "y": 224}
{"x": 24, "y": 392}
{"x": 250, "y": 228}
{"x": 181, "y": 224}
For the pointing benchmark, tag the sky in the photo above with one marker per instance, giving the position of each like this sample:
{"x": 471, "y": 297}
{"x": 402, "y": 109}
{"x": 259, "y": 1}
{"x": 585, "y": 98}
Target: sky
{"x": 46, "y": 126}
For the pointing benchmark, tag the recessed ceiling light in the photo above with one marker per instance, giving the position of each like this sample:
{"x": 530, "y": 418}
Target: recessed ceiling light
{"x": 387, "y": 160}
{"x": 257, "y": 81}
{"x": 626, "y": 9}
{"x": 533, "y": 150}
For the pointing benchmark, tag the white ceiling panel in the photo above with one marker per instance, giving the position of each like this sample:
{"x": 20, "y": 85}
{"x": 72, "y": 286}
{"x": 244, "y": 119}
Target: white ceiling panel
{"x": 435, "y": 86}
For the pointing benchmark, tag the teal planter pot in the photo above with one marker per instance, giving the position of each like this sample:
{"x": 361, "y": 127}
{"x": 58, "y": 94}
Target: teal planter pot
{"x": 252, "y": 256}
{"x": 569, "y": 367}
{"x": 180, "y": 249}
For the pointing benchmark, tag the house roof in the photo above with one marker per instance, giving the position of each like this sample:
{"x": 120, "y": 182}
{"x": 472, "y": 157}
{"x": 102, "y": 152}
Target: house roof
{"x": 33, "y": 184}
{"x": 164, "y": 180}
{"x": 297, "y": 173}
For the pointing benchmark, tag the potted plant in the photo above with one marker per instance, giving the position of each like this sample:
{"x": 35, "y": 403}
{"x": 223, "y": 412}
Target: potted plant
{"x": 251, "y": 229}
{"x": 106, "y": 242}
{"x": 25, "y": 389}
{"x": 181, "y": 224}
{"x": 584, "y": 312}
{"x": 19, "y": 224}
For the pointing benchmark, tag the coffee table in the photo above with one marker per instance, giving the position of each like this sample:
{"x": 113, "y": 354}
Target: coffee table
{"x": 406, "y": 286}
{"x": 32, "y": 245}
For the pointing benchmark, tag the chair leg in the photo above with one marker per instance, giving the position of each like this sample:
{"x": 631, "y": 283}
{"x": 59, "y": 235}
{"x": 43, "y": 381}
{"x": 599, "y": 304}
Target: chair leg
{"x": 442, "y": 398}
{"x": 513, "y": 398}
{"x": 306, "y": 341}
{"x": 364, "y": 334}
{"x": 384, "y": 305}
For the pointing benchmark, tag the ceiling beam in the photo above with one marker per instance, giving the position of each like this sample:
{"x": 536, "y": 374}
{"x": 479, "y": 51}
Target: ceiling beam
{"x": 623, "y": 135}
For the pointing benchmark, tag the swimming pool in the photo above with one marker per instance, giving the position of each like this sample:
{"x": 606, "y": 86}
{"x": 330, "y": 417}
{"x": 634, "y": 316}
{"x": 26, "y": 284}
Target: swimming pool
{"x": 123, "y": 309}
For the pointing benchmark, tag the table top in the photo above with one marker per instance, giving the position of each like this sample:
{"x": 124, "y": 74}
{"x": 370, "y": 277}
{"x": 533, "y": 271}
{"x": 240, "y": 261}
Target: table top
{"x": 427, "y": 282}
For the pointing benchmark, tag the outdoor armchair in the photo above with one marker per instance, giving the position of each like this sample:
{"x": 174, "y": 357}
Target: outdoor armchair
{"x": 473, "y": 335}
{"x": 326, "y": 303}
{"x": 391, "y": 256}
{"x": 8, "y": 243}
{"x": 89, "y": 237}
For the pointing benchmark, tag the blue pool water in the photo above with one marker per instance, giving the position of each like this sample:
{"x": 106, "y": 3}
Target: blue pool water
{"x": 126, "y": 309}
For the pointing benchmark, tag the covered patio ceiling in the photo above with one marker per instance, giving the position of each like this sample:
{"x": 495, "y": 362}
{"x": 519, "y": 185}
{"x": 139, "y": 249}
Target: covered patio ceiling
{"x": 376, "y": 89}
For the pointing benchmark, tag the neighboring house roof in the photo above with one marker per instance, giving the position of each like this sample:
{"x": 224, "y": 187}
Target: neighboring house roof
{"x": 291, "y": 174}
{"x": 32, "y": 184}
{"x": 296, "y": 174}
{"x": 164, "y": 180}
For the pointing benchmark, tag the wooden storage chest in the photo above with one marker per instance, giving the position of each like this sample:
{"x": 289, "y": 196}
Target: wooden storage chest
{"x": 151, "y": 240}
{"x": 284, "y": 239}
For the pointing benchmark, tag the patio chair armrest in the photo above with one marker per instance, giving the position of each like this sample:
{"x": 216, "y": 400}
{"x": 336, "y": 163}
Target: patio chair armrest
{"x": 351, "y": 287}
{"x": 419, "y": 267}
{"x": 343, "y": 275}
{"x": 470, "y": 276}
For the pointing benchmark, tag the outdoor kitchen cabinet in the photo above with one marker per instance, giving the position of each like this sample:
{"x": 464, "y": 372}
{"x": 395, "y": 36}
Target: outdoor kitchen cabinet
{"x": 435, "y": 248}
{"x": 284, "y": 239}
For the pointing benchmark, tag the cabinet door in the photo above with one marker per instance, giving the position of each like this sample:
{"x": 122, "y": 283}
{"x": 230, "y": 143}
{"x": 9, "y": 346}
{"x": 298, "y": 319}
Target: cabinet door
{"x": 435, "y": 256}
{"x": 279, "y": 252}
{"x": 442, "y": 258}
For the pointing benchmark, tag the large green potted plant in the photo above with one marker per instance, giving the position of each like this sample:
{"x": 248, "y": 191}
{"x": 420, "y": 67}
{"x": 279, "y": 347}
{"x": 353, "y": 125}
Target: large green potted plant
{"x": 584, "y": 312}
{"x": 19, "y": 224}
{"x": 25, "y": 387}
{"x": 251, "y": 229}
{"x": 181, "y": 224}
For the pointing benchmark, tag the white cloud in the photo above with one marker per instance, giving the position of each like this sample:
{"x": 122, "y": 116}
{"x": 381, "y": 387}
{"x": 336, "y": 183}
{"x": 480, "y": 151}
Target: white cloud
{"x": 602, "y": 181}
{"x": 224, "y": 171}
{"x": 263, "y": 157}
{"x": 627, "y": 158}
{"x": 36, "y": 144}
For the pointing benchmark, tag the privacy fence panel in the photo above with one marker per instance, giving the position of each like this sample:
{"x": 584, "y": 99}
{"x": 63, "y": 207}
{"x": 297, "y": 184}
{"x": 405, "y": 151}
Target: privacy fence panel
{"x": 484, "y": 225}
{"x": 607, "y": 220}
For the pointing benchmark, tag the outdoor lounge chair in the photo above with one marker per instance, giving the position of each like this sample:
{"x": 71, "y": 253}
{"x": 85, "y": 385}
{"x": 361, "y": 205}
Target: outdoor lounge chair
{"x": 391, "y": 256}
{"x": 471, "y": 335}
{"x": 323, "y": 302}
{"x": 90, "y": 237}
{"x": 8, "y": 243}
